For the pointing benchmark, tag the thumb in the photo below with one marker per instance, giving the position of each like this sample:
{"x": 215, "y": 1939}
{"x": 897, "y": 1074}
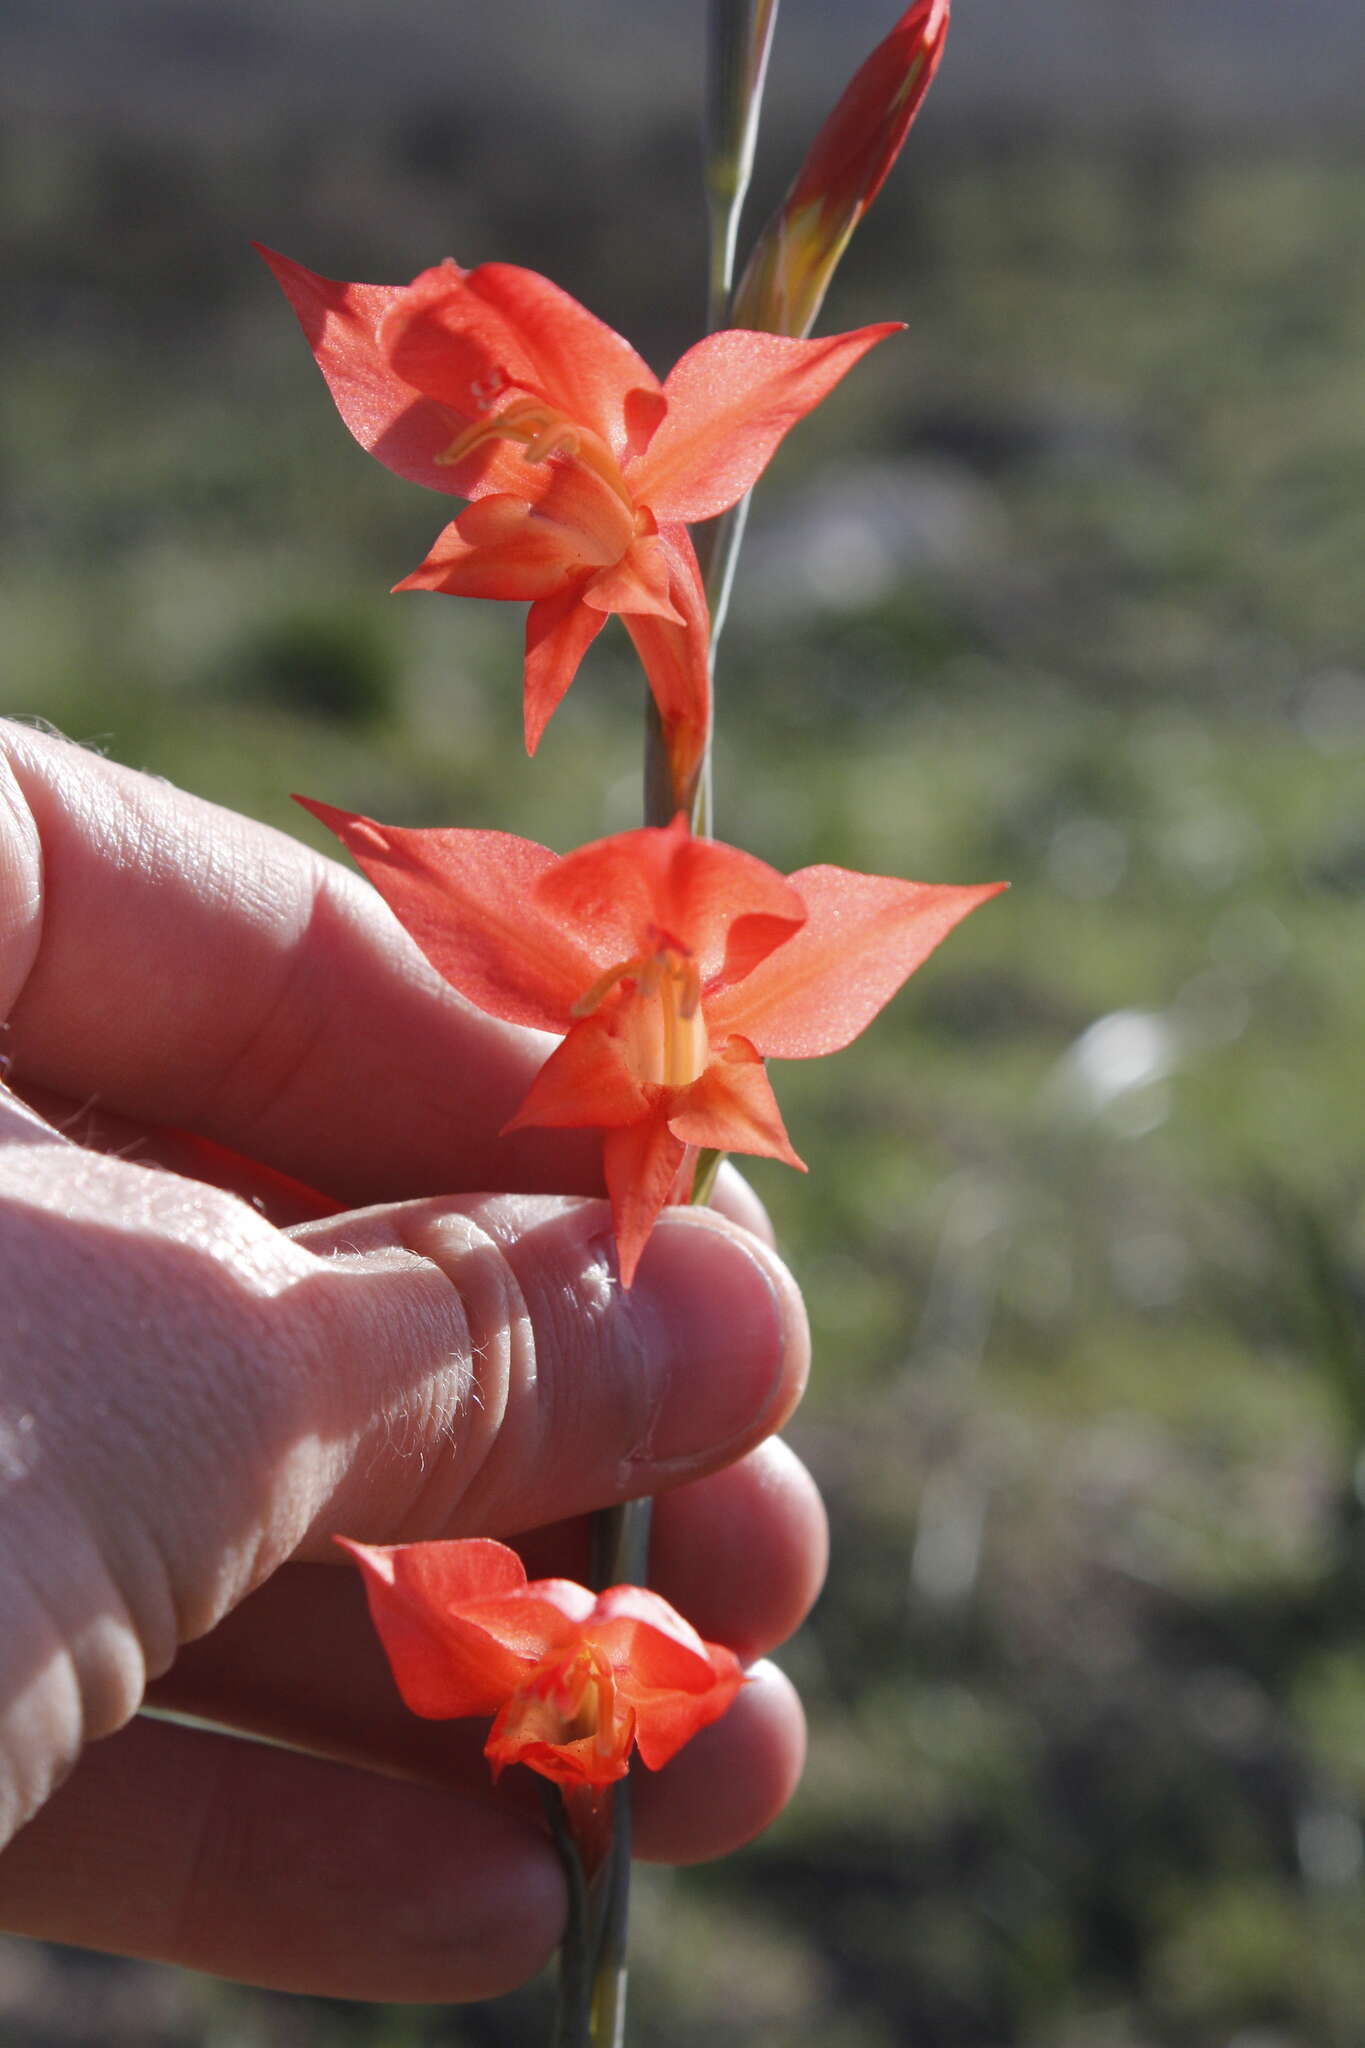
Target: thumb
{"x": 506, "y": 1379}
{"x": 200, "y": 1398}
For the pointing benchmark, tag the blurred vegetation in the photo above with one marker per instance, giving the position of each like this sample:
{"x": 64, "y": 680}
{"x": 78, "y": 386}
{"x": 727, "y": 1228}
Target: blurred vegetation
{"x": 1064, "y": 586}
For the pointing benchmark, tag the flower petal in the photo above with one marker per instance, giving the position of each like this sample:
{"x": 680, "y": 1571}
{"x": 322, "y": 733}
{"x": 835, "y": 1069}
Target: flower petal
{"x": 560, "y": 525}
{"x": 624, "y": 893}
{"x": 585, "y": 368}
{"x": 665, "y": 1721}
{"x": 585, "y": 1083}
{"x": 731, "y": 1108}
{"x": 467, "y": 898}
{"x": 637, "y": 583}
{"x": 664, "y": 1649}
{"x": 641, "y": 1163}
{"x": 465, "y": 336}
{"x": 526, "y": 562}
{"x": 864, "y": 936}
{"x": 559, "y": 632}
{"x": 589, "y": 1761}
{"x": 403, "y": 430}
{"x": 444, "y": 1667}
{"x": 676, "y": 1683}
{"x": 677, "y": 661}
{"x": 730, "y": 401}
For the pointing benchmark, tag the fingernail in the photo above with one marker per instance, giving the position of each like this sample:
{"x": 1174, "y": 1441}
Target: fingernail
{"x": 729, "y": 1330}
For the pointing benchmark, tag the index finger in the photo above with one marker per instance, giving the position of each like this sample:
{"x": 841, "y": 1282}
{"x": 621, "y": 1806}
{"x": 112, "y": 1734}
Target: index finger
{"x": 184, "y": 965}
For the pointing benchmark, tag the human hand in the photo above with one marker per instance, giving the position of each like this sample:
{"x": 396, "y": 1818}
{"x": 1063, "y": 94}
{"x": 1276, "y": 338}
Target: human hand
{"x": 203, "y": 1378}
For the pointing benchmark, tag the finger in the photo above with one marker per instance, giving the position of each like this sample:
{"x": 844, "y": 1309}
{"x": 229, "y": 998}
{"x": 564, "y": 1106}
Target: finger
{"x": 740, "y": 1553}
{"x": 274, "y": 1195}
{"x": 730, "y": 1782}
{"x": 452, "y": 1371}
{"x": 249, "y": 1862}
{"x": 188, "y": 967}
{"x": 578, "y": 1393}
{"x": 725, "y": 1787}
{"x": 89, "y": 1124}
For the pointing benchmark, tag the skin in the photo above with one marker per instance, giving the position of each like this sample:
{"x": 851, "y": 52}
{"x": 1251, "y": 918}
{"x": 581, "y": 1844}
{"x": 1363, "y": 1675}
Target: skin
{"x": 207, "y": 1369}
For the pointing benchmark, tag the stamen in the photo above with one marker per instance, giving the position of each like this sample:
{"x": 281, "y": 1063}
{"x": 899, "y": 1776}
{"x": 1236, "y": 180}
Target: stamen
{"x": 665, "y": 1031}
{"x": 561, "y": 439}
{"x": 604, "y": 985}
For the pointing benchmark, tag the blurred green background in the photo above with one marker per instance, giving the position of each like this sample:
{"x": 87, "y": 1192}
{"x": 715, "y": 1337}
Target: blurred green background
{"x": 1065, "y": 585}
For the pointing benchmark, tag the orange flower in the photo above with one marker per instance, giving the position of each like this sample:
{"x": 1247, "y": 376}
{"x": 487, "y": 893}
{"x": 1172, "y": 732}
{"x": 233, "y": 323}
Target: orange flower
{"x": 798, "y": 251}
{"x": 576, "y": 1679}
{"x": 671, "y": 967}
{"x": 583, "y": 469}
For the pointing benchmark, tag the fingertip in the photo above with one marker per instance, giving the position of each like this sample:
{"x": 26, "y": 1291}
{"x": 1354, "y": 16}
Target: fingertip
{"x": 734, "y": 1324}
{"x": 743, "y": 1552}
{"x": 731, "y": 1781}
{"x": 735, "y": 1198}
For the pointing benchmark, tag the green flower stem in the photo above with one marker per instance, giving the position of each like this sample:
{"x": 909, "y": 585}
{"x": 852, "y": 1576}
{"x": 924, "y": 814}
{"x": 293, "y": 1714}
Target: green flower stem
{"x": 704, "y": 1179}
{"x": 611, "y": 1901}
{"x": 718, "y": 547}
{"x": 573, "y": 2009}
{"x": 739, "y": 37}
{"x": 593, "y": 1973}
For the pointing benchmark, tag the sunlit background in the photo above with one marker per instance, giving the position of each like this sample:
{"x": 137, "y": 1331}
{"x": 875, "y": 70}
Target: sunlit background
{"x": 1066, "y": 586}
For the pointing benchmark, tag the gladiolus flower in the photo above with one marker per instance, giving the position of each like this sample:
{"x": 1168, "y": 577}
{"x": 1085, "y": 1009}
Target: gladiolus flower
{"x": 576, "y": 1679}
{"x": 671, "y": 967}
{"x": 799, "y": 250}
{"x": 584, "y": 470}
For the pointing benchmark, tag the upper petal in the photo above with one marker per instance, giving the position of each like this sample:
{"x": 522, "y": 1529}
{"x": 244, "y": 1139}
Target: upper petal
{"x": 403, "y": 429}
{"x": 676, "y": 1683}
{"x": 463, "y": 336}
{"x": 730, "y": 401}
{"x": 725, "y": 906}
{"x": 864, "y": 935}
{"x": 653, "y": 1649}
{"x": 467, "y": 898}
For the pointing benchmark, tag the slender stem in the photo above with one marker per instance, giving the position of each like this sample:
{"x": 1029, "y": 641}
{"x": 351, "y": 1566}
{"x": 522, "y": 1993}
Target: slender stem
{"x": 718, "y": 552}
{"x": 620, "y": 1557}
{"x": 704, "y": 1181}
{"x": 740, "y": 38}
{"x": 620, "y": 1544}
{"x": 612, "y": 1888}
{"x": 740, "y": 34}
{"x": 573, "y": 2010}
